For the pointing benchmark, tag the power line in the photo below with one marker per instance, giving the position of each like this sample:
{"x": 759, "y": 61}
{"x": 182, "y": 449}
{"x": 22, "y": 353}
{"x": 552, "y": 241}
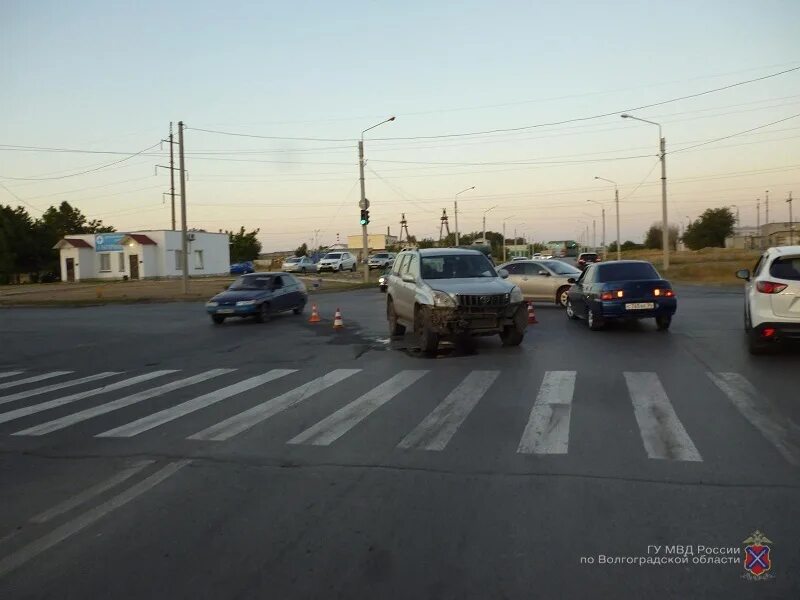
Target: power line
{"x": 82, "y": 172}
{"x": 20, "y": 199}
{"x": 735, "y": 134}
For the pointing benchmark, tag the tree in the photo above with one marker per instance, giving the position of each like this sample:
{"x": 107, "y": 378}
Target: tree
{"x": 710, "y": 230}
{"x": 653, "y": 238}
{"x": 302, "y": 250}
{"x": 426, "y": 243}
{"x": 244, "y": 246}
{"x": 628, "y": 245}
{"x": 18, "y": 246}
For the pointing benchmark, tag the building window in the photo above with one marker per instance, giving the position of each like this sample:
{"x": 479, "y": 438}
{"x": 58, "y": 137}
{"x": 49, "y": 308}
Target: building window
{"x": 105, "y": 263}
{"x": 179, "y": 260}
{"x": 121, "y": 262}
{"x": 198, "y": 259}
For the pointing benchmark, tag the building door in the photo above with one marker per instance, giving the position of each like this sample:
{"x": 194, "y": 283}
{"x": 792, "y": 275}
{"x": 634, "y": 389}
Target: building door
{"x": 134, "y": 264}
{"x": 70, "y": 269}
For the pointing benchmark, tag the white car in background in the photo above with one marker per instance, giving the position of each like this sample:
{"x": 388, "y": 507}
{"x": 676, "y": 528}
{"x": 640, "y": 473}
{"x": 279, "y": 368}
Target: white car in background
{"x": 337, "y": 261}
{"x": 772, "y": 299}
{"x": 299, "y": 264}
{"x": 381, "y": 260}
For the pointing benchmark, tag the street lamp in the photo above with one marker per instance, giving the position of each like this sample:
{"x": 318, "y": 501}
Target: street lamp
{"x": 583, "y": 236}
{"x": 504, "y": 235}
{"x": 594, "y": 230}
{"x": 364, "y": 203}
{"x": 737, "y": 214}
{"x": 603, "y": 209}
{"x": 616, "y": 202}
{"x": 484, "y": 224}
{"x": 455, "y": 209}
{"x": 663, "y": 155}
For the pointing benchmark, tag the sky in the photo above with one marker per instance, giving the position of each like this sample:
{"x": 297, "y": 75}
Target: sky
{"x": 97, "y": 82}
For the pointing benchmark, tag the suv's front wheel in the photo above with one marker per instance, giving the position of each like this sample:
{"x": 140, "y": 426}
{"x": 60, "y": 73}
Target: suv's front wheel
{"x": 428, "y": 338}
{"x": 511, "y": 336}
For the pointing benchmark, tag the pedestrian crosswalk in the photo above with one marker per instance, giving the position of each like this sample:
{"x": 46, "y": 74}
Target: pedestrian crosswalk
{"x": 341, "y": 403}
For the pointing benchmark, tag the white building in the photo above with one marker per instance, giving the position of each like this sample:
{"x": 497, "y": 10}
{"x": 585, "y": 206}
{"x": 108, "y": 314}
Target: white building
{"x": 141, "y": 254}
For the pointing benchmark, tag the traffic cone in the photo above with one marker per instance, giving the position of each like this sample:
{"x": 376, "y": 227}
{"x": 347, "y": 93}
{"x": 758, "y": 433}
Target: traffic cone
{"x": 314, "y": 314}
{"x": 531, "y": 315}
{"x": 337, "y": 320}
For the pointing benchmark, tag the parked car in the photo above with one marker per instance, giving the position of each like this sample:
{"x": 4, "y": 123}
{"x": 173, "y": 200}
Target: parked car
{"x": 243, "y": 268}
{"x": 518, "y": 258}
{"x": 587, "y": 258}
{"x": 450, "y": 293}
{"x": 381, "y": 260}
{"x": 299, "y": 264}
{"x": 546, "y": 280}
{"x": 258, "y": 295}
{"x": 337, "y": 261}
{"x": 623, "y": 289}
{"x": 772, "y": 299}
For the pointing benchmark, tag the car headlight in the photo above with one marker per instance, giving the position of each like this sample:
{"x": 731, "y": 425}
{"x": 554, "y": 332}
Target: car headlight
{"x": 443, "y": 299}
{"x": 245, "y": 303}
{"x": 212, "y": 303}
{"x": 516, "y": 295}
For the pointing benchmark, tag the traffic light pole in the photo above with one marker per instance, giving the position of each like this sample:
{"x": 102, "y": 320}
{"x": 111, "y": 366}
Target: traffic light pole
{"x": 363, "y": 206}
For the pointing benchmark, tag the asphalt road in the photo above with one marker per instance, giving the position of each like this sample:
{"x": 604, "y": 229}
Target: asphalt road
{"x": 145, "y": 453}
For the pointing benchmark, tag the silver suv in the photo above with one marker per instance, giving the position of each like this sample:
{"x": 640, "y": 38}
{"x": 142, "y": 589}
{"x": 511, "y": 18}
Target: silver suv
{"x": 452, "y": 292}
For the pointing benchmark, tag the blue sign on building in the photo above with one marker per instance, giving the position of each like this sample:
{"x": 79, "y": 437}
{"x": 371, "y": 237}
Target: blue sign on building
{"x": 108, "y": 242}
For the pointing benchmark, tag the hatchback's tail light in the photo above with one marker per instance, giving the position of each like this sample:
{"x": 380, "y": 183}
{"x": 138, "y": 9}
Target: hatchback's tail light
{"x": 770, "y": 287}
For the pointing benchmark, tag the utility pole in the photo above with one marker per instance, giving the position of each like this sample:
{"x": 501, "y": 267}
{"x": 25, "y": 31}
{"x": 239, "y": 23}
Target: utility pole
{"x": 791, "y": 222}
{"x": 766, "y": 207}
{"x": 364, "y": 206}
{"x": 664, "y": 222}
{"x": 184, "y": 234}
{"x": 172, "y": 173}
{"x": 758, "y": 220}
{"x": 504, "y": 241}
{"x": 594, "y": 234}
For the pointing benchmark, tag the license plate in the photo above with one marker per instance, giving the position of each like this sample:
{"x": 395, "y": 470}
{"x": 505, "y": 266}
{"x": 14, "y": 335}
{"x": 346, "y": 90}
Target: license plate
{"x": 640, "y": 306}
{"x": 225, "y": 311}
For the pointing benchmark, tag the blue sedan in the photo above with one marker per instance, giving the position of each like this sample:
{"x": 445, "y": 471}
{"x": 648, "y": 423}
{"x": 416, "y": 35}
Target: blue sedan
{"x": 258, "y": 295}
{"x": 621, "y": 290}
{"x": 243, "y": 268}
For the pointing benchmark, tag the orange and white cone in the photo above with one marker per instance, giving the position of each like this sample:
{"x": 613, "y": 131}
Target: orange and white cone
{"x": 314, "y": 314}
{"x": 531, "y": 315}
{"x": 338, "y": 323}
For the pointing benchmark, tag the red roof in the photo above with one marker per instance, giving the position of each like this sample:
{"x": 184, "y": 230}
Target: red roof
{"x": 142, "y": 239}
{"x": 77, "y": 243}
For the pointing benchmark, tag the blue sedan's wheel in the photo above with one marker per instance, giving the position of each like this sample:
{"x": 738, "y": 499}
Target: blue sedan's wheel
{"x": 218, "y": 319}
{"x": 570, "y": 311}
{"x": 663, "y": 323}
{"x": 263, "y": 314}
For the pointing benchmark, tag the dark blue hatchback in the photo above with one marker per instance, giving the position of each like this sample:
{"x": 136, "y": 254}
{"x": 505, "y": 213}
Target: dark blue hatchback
{"x": 624, "y": 289}
{"x": 258, "y": 295}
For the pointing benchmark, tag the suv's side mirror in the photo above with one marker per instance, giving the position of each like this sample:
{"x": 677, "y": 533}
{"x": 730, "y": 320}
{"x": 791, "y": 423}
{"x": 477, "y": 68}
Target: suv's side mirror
{"x": 502, "y": 273}
{"x": 743, "y": 274}
{"x": 408, "y": 278}
{"x": 571, "y": 280}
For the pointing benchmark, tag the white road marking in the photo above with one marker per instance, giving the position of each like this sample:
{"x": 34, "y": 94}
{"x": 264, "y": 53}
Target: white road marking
{"x": 779, "y": 430}
{"x": 437, "y": 429}
{"x": 56, "y": 386}
{"x": 170, "y": 414}
{"x": 102, "y": 409}
{"x": 29, "y": 410}
{"x": 32, "y": 550}
{"x": 337, "y": 424}
{"x": 547, "y": 430}
{"x": 91, "y": 492}
{"x": 662, "y": 433}
{"x": 245, "y": 420}
{"x": 32, "y": 379}
{"x": 5, "y": 374}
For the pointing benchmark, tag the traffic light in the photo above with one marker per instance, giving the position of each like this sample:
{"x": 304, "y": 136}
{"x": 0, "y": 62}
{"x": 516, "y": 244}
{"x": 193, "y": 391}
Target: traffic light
{"x": 364, "y": 217}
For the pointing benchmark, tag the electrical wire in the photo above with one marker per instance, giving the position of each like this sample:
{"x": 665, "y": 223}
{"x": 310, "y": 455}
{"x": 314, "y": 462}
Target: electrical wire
{"x": 82, "y": 172}
{"x": 20, "y": 200}
{"x": 726, "y": 137}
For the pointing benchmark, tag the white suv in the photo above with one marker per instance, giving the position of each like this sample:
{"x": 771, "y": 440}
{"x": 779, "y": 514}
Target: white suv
{"x": 337, "y": 261}
{"x": 772, "y": 298}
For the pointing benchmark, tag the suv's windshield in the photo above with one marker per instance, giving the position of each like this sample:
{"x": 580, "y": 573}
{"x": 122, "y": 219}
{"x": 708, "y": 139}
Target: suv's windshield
{"x": 456, "y": 266}
{"x": 333, "y": 256}
{"x": 626, "y": 272}
{"x": 250, "y": 282}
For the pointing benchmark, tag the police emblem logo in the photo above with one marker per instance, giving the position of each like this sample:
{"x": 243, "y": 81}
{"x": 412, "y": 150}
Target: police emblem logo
{"x": 757, "y": 558}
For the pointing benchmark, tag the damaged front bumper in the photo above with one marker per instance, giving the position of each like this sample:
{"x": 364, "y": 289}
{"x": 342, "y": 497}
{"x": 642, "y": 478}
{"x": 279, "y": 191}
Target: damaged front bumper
{"x": 476, "y": 320}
